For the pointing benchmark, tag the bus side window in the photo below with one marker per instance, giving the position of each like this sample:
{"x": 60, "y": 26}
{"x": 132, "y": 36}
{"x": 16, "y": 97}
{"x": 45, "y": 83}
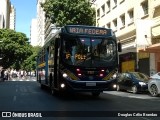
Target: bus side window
{"x": 51, "y": 52}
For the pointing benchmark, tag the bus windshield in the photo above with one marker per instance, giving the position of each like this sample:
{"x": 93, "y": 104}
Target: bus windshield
{"x": 89, "y": 52}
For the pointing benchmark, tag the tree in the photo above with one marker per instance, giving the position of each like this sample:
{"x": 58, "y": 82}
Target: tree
{"x": 30, "y": 63}
{"x": 63, "y": 12}
{"x": 14, "y": 48}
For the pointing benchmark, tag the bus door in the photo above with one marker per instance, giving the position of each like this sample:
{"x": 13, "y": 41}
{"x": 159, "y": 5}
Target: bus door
{"x": 56, "y": 62}
{"x": 51, "y": 64}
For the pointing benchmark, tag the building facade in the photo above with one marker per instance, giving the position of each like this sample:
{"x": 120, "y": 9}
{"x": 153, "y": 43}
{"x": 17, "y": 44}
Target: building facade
{"x": 5, "y": 7}
{"x": 136, "y": 25}
{"x": 33, "y": 33}
{"x": 12, "y": 18}
{"x": 45, "y": 28}
{"x": 40, "y": 23}
{"x": 50, "y": 29}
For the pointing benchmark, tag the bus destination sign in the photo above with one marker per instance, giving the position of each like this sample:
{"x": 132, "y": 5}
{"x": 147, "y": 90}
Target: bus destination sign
{"x": 87, "y": 30}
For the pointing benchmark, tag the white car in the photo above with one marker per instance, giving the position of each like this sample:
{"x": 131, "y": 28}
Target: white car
{"x": 156, "y": 76}
{"x": 154, "y": 87}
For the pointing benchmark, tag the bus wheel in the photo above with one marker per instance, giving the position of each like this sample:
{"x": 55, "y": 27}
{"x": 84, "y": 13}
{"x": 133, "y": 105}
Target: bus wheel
{"x": 95, "y": 94}
{"x": 53, "y": 91}
{"x": 42, "y": 86}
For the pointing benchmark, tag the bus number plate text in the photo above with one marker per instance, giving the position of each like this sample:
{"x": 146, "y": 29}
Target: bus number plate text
{"x": 91, "y": 84}
{"x": 90, "y": 72}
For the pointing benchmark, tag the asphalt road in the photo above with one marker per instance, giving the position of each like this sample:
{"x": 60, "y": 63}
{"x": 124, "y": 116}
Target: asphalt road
{"x": 26, "y": 96}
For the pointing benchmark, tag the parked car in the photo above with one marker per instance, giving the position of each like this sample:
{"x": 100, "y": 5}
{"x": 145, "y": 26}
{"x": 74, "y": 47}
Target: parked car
{"x": 154, "y": 87}
{"x": 156, "y": 76}
{"x": 132, "y": 81}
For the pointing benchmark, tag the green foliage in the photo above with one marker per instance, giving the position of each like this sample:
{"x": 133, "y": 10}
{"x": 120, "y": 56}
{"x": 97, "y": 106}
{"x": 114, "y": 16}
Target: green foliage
{"x": 63, "y": 12}
{"x": 14, "y": 48}
{"x": 30, "y": 63}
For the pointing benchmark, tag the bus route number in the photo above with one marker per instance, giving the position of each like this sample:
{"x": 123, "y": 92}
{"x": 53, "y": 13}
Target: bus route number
{"x": 76, "y": 56}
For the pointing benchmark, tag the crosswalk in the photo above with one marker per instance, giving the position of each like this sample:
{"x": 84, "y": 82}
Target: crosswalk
{"x": 23, "y": 79}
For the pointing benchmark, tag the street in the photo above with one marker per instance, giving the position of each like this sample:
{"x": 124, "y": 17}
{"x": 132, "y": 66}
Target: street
{"x": 20, "y": 96}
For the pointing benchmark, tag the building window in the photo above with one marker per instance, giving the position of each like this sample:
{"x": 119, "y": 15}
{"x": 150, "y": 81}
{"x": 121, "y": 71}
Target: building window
{"x": 103, "y": 10}
{"x": 121, "y": 1}
{"x": 115, "y": 25}
{"x": 108, "y": 25}
{"x": 108, "y": 6}
{"x": 114, "y": 4}
{"x": 98, "y": 13}
{"x": 131, "y": 16}
{"x": 145, "y": 7}
{"x": 122, "y": 17}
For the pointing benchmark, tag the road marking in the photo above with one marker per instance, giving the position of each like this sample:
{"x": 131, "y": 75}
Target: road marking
{"x": 23, "y": 80}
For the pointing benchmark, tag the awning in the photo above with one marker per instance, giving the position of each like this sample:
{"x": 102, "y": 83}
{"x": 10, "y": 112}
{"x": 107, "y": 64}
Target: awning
{"x": 155, "y": 48}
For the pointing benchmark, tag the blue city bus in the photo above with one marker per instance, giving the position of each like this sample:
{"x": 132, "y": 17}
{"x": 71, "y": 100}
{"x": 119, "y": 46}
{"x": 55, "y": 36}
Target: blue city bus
{"x": 78, "y": 58}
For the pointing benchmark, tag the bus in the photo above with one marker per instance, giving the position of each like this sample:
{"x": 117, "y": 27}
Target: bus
{"x": 78, "y": 58}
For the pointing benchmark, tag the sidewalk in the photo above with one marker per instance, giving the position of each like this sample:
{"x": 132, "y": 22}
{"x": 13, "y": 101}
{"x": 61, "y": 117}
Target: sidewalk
{"x": 26, "y": 78}
{"x": 1, "y": 80}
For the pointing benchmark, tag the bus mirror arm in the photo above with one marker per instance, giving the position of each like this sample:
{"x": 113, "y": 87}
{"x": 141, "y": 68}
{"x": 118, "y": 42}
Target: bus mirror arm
{"x": 119, "y": 47}
{"x": 58, "y": 42}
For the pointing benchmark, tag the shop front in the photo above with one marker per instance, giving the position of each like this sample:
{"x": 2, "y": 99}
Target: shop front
{"x": 144, "y": 62}
{"x": 154, "y": 64}
{"x": 127, "y": 62}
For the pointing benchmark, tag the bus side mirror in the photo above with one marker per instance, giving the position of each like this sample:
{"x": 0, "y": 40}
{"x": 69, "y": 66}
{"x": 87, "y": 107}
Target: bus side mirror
{"x": 57, "y": 42}
{"x": 119, "y": 47}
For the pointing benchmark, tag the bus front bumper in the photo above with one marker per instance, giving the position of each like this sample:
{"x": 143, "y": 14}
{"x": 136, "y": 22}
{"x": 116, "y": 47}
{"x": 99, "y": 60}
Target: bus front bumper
{"x": 87, "y": 85}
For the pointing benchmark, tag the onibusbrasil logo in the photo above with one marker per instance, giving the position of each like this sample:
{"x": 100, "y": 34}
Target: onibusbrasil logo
{"x": 21, "y": 114}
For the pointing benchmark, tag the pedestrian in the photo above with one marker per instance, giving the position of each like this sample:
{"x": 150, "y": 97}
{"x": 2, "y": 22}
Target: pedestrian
{"x": 2, "y": 75}
{"x": 6, "y": 74}
{"x": 21, "y": 72}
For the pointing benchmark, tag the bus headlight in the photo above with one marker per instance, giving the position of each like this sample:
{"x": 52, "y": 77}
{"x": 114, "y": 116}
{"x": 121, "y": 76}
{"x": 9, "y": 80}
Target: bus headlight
{"x": 114, "y": 86}
{"x": 65, "y": 75}
{"x": 68, "y": 75}
{"x": 62, "y": 85}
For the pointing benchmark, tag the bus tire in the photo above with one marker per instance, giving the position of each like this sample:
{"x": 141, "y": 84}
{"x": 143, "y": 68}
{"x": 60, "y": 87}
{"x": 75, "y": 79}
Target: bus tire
{"x": 53, "y": 91}
{"x": 95, "y": 94}
{"x": 42, "y": 86}
{"x": 39, "y": 78}
{"x": 50, "y": 80}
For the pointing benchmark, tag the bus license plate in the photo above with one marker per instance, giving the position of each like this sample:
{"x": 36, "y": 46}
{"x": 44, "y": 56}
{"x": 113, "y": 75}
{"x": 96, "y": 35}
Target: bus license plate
{"x": 91, "y": 84}
{"x": 90, "y": 72}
